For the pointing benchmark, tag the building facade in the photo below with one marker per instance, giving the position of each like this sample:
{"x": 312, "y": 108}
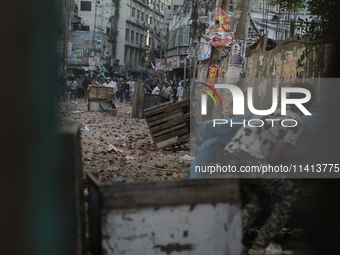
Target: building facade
{"x": 89, "y": 33}
{"x": 179, "y": 39}
{"x": 140, "y": 26}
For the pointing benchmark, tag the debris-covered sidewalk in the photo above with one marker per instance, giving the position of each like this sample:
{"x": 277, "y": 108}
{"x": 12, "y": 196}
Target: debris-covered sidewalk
{"x": 122, "y": 146}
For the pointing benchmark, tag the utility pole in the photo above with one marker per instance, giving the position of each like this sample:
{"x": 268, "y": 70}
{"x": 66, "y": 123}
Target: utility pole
{"x": 240, "y": 38}
{"x": 161, "y": 41}
{"x": 185, "y": 75}
{"x": 153, "y": 26}
{"x": 196, "y": 42}
{"x": 94, "y": 27}
{"x": 238, "y": 47}
{"x": 102, "y": 28}
{"x": 67, "y": 17}
{"x": 215, "y": 58}
{"x": 215, "y": 55}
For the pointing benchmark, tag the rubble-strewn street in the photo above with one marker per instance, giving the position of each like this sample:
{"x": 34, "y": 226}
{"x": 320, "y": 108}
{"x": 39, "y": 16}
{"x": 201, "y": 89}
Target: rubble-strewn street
{"x": 140, "y": 160}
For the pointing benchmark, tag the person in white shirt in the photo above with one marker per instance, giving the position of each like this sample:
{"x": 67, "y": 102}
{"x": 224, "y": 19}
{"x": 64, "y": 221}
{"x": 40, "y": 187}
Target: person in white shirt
{"x": 131, "y": 88}
{"x": 114, "y": 84}
{"x": 156, "y": 90}
{"x": 180, "y": 91}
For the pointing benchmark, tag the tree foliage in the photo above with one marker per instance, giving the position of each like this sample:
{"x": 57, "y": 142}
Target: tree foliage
{"x": 321, "y": 21}
{"x": 153, "y": 55}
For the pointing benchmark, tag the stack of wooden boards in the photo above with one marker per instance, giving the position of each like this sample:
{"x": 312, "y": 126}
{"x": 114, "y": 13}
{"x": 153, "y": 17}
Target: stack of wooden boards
{"x": 101, "y": 92}
{"x": 99, "y": 95}
{"x": 170, "y": 124}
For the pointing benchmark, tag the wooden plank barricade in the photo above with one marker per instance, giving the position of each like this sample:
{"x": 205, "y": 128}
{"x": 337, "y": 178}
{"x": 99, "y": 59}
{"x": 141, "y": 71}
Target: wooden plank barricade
{"x": 170, "y": 124}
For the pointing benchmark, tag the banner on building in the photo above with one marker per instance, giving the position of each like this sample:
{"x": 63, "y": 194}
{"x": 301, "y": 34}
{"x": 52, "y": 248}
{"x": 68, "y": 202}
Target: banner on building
{"x": 237, "y": 52}
{"x": 169, "y": 64}
{"x": 77, "y": 55}
{"x": 141, "y": 68}
{"x": 93, "y": 63}
{"x": 161, "y": 66}
{"x": 69, "y": 49}
{"x": 204, "y": 52}
{"x": 88, "y": 36}
{"x": 224, "y": 21}
{"x": 222, "y": 36}
{"x": 213, "y": 74}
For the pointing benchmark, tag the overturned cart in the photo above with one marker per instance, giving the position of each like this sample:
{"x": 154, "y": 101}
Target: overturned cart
{"x": 170, "y": 124}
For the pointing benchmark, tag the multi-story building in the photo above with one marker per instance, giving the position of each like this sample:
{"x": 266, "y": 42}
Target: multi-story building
{"x": 140, "y": 25}
{"x": 179, "y": 37}
{"x": 89, "y": 30}
{"x": 125, "y": 30}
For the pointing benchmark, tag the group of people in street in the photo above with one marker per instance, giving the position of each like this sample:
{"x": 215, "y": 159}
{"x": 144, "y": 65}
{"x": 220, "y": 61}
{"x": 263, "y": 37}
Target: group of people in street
{"x": 168, "y": 91}
{"x": 77, "y": 87}
{"x": 124, "y": 89}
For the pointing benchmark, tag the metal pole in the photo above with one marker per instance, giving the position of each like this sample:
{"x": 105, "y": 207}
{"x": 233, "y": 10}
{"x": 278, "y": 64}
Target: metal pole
{"x": 161, "y": 41}
{"x": 265, "y": 40}
{"x": 153, "y": 25}
{"x": 241, "y": 33}
{"x": 185, "y": 77}
{"x": 102, "y": 28}
{"x": 94, "y": 27}
{"x": 215, "y": 58}
{"x": 67, "y": 10}
{"x": 196, "y": 42}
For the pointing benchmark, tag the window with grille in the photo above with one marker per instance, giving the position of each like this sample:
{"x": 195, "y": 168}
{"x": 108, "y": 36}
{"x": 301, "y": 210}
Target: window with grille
{"x": 133, "y": 11}
{"x": 127, "y": 34}
{"x": 85, "y": 28}
{"x": 85, "y": 6}
{"x": 138, "y": 14}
